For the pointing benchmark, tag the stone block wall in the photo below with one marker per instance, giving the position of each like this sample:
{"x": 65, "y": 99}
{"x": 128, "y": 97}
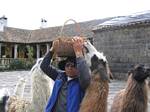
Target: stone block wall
{"x": 124, "y": 48}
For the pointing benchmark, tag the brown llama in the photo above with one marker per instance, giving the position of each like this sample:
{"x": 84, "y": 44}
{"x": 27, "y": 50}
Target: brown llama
{"x": 95, "y": 99}
{"x": 134, "y": 97}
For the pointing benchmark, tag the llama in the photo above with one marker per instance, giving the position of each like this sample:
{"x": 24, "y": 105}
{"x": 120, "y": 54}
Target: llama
{"x": 134, "y": 97}
{"x": 95, "y": 99}
{"x": 19, "y": 89}
{"x": 41, "y": 89}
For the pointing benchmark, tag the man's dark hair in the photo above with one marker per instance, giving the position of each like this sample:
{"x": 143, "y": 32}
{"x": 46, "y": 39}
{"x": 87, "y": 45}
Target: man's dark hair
{"x": 71, "y": 59}
{"x": 61, "y": 64}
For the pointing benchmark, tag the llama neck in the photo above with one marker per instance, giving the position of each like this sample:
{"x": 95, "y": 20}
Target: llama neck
{"x": 102, "y": 93}
{"x": 40, "y": 89}
{"x": 104, "y": 89}
{"x": 19, "y": 89}
{"x": 136, "y": 95}
{"x": 95, "y": 99}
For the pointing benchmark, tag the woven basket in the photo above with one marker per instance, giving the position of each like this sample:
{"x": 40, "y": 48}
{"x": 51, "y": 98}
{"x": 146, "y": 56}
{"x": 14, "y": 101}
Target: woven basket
{"x": 65, "y": 47}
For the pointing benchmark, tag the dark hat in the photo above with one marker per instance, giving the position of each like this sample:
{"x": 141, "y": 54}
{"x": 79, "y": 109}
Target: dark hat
{"x": 61, "y": 65}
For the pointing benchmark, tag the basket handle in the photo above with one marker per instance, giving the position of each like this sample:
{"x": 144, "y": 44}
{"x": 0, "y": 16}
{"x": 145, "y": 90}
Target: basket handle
{"x": 78, "y": 30}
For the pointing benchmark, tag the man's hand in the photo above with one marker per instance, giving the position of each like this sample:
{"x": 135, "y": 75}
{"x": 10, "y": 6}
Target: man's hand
{"x": 55, "y": 45}
{"x": 78, "y": 46}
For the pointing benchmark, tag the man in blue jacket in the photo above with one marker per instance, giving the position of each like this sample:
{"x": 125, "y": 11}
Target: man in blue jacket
{"x": 70, "y": 84}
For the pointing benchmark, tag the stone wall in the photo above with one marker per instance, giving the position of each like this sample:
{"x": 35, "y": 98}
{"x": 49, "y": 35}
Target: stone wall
{"x": 124, "y": 48}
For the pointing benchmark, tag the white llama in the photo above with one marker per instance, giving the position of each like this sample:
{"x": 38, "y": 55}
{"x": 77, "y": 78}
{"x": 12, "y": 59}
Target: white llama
{"x": 41, "y": 87}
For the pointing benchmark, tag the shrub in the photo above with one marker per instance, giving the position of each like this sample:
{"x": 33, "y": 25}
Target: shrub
{"x": 29, "y": 64}
{"x": 17, "y": 64}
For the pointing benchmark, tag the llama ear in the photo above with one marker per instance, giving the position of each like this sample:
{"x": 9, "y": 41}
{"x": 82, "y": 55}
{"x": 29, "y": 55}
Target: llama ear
{"x": 90, "y": 47}
{"x": 148, "y": 71}
{"x": 130, "y": 72}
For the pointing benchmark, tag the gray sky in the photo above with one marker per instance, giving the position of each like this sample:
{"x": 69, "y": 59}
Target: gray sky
{"x": 27, "y": 14}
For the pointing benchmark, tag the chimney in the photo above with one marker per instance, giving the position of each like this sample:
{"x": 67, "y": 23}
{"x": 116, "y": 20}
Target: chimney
{"x": 43, "y": 23}
{"x": 3, "y": 23}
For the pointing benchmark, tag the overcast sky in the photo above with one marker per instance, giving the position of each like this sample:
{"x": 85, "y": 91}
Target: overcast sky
{"x": 27, "y": 14}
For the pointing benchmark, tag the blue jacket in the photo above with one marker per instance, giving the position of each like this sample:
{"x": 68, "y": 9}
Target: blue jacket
{"x": 74, "y": 98}
{"x": 75, "y": 87}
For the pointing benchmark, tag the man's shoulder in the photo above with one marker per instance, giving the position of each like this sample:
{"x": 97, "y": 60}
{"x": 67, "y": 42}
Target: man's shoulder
{"x": 80, "y": 59}
{"x": 61, "y": 75}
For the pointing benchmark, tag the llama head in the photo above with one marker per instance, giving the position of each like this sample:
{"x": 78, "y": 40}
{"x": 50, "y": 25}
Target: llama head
{"x": 90, "y": 51}
{"x": 140, "y": 73}
{"x": 98, "y": 66}
{"x": 96, "y": 61}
